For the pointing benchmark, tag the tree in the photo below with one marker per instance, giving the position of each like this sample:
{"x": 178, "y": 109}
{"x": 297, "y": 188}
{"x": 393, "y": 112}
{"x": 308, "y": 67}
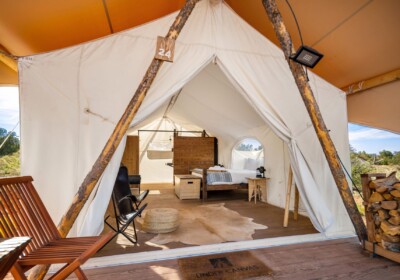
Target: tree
{"x": 365, "y": 156}
{"x": 245, "y": 147}
{"x": 11, "y": 145}
{"x": 396, "y": 158}
{"x": 359, "y": 165}
{"x": 385, "y": 157}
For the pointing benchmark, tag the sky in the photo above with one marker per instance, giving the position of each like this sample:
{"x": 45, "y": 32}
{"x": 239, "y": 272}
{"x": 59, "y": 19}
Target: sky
{"x": 373, "y": 140}
{"x": 9, "y": 108}
{"x": 361, "y": 138}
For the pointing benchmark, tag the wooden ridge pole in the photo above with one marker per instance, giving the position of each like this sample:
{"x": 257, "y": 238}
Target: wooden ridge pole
{"x": 122, "y": 126}
{"x": 9, "y": 61}
{"x": 316, "y": 118}
{"x": 372, "y": 82}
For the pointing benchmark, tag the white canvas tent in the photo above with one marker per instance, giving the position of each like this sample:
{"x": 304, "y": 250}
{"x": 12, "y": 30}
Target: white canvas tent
{"x": 71, "y": 100}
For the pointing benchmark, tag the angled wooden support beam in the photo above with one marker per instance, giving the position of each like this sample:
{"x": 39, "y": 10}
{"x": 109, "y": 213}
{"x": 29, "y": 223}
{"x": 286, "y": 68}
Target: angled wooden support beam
{"x": 372, "y": 82}
{"x": 122, "y": 126}
{"x": 316, "y": 118}
{"x": 9, "y": 60}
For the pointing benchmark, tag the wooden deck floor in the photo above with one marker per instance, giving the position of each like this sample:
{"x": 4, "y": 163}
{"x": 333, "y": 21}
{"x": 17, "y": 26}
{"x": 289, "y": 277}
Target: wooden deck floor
{"x": 334, "y": 259}
{"x": 262, "y": 213}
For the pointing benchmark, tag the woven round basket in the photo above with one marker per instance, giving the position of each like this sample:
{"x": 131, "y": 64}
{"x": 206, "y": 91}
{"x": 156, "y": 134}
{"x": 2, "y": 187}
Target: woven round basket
{"x": 161, "y": 220}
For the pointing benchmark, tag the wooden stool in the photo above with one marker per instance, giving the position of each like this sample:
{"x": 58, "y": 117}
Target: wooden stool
{"x": 161, "y": 220}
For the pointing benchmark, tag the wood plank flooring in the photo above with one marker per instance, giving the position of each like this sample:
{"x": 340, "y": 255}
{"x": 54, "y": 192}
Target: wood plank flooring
{"x": 262, "y": 213}
{"x": 334, "y": 259}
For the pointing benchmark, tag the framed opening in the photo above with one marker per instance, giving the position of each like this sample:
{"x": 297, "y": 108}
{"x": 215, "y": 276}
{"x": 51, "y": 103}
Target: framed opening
{"x": 248, "y": 154}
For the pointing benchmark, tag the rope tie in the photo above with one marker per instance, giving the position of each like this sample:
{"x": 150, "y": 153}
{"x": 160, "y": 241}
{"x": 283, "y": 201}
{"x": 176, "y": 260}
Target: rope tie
{"x": 88, "y": 111}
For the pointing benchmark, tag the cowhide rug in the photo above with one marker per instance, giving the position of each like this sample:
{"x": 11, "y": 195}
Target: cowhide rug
{"x": 209, "y": 224}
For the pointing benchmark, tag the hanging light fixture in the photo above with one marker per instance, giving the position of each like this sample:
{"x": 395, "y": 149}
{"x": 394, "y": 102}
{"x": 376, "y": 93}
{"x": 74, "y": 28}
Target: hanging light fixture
{"x": 307, "y": 56}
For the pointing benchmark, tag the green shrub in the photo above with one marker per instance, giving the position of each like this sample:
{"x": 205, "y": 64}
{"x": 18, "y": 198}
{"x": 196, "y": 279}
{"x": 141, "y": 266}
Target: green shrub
{"x": 10, "y": 165}
{"x": 11, "y": 145}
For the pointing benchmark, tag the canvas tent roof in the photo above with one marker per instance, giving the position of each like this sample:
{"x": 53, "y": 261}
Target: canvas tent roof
{"x": 358, "y": 38}
{"x": 61, "y": 139}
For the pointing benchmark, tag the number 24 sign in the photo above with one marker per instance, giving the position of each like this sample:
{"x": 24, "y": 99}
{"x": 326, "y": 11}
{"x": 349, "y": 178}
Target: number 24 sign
{"x": 165, "y": 49}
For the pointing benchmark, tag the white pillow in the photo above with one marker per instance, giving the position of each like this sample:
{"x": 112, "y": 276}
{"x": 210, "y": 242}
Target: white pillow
{"x": 250, "y": 164}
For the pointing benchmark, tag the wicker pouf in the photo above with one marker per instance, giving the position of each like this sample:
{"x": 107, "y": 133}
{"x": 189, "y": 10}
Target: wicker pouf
{"x": 161, "y": 220}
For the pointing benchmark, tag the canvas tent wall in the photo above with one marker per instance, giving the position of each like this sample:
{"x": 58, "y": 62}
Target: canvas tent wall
{"x": 61, "y": 138}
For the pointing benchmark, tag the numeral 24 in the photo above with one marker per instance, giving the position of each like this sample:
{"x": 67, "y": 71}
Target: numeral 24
{"x": 162, "y": 52}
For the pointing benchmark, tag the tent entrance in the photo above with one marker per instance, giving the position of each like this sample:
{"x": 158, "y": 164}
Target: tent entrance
{"x": 210, "y": 102}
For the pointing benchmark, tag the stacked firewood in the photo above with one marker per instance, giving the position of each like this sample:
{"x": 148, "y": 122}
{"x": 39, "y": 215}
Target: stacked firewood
{"x": 384, "y": 205}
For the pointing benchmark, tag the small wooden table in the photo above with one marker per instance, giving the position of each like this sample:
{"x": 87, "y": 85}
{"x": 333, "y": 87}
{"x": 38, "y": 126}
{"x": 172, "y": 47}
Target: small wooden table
{"x": 10, "y": 249}
{"x": 256, "y": 187}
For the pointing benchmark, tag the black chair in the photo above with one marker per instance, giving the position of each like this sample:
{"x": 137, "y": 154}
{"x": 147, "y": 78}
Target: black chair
{"x": 134, "y": 181}
{"x": 126, "y": 205}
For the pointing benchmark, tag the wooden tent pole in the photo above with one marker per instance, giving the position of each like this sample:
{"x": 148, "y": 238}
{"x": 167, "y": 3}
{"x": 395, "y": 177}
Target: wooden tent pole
{"x": 288, "y": 191}
{"x": 296, "y": 203}
{"x": 122, "y": 126}
{"x": 316, "y": 118}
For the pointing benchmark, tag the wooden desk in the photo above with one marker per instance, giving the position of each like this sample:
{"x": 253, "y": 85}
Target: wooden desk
{"x": 256, "y": 187}
{"x": 10, "y": 249}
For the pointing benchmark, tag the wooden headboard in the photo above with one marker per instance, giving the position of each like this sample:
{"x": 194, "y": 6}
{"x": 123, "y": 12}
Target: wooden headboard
{"x": 194, "y": 152}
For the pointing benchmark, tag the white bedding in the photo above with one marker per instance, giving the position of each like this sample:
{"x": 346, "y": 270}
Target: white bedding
{"x": 238, "y": 176}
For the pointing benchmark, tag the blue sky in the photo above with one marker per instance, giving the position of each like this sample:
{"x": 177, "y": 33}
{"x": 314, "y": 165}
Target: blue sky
{"x": 361, "y": 138}
{"x": 9, "y": 109}
{"x": 373, "y": 140}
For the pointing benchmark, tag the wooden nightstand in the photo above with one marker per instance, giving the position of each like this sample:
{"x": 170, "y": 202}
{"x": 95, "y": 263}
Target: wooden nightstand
{"x": 187, "y": 186}
{"x": 256, "y": 187}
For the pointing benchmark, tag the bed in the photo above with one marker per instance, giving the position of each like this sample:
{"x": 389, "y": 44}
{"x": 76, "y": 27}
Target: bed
{"x": 217, "y": 179}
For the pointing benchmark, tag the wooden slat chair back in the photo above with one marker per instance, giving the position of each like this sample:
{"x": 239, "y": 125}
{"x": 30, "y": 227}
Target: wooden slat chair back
{"x": 22, "y": 213}
{"x": 10, "y": 250}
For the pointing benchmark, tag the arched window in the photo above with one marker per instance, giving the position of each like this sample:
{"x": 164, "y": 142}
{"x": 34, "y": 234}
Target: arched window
{"x": 247, "y": 154}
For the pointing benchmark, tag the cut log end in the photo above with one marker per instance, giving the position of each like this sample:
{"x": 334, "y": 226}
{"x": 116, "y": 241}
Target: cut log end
{"x": 395, "y": 193}
{"x": 376, "y": 197}
{"x": 390, "y": 229}
{"x": 389, "y": 205}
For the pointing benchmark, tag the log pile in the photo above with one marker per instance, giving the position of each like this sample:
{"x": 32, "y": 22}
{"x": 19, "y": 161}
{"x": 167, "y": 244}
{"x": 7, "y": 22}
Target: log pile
{"x": 384, "y": 212}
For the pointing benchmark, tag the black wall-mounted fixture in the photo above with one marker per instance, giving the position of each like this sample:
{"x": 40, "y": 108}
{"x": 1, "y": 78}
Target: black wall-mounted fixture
{"x": 307, "y": 56}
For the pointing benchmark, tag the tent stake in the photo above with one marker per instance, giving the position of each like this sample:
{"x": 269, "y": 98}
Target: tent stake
{"x": 316, "y": 118}
{"x": 122, "y": 126}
